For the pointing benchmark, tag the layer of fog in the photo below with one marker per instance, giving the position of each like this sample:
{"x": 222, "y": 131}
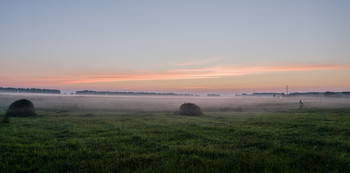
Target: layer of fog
{"x": 171, "y": 103}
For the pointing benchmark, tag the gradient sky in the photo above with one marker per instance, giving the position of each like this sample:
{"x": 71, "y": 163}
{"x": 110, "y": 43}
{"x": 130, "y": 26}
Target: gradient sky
{"x": 180, "y": 46}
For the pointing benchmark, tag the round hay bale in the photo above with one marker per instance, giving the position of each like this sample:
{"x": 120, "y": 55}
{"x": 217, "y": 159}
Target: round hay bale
{"x": 21, "y": 108}
{"x": 190, "y": 109}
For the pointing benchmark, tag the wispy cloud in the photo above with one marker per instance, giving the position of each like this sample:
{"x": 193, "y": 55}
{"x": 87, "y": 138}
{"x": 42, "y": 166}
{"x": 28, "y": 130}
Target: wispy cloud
{"x": 175, "y": 74}
{"x": 201, "y": 62}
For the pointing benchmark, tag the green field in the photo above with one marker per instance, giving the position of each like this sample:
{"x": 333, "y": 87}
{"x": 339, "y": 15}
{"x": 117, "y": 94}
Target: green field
{"x": 311, "y": 140}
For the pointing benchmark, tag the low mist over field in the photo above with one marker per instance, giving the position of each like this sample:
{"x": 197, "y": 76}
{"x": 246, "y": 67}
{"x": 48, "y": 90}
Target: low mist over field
{"x": 142, "y": 134}
{"x": 172, "y": 103}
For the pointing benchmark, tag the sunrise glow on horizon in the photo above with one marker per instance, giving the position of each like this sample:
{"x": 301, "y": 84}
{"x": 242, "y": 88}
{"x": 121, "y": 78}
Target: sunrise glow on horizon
{"x": 180, "y": 46}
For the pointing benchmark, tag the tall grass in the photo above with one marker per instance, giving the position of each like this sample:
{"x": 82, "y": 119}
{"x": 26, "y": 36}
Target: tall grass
{"x": 100, "y": 141}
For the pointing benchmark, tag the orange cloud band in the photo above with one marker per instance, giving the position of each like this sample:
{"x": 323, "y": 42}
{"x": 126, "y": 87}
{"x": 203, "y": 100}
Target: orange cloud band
{"x": 199, "y": 73}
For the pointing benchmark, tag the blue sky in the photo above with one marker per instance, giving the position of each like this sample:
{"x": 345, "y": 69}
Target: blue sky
{"x": 56, "y": 40}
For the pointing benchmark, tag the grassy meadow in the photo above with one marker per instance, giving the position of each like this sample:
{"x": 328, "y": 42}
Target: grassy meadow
{"x": 225, "y": 139}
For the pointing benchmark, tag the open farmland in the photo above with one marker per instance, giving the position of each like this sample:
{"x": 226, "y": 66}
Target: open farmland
{"x": 141, "y": 134}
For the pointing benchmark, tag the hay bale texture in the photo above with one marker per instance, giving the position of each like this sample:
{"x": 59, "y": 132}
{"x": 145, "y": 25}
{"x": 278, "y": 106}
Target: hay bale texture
{"x": 21, "y": 108}
{"x": 190, "y": 109}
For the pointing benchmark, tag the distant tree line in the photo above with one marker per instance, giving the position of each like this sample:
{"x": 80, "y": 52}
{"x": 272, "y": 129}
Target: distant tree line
{"x": 90, "y": 92}
{"x": 268, "y": 94}
{"x": 213, "y": 95}
{"x": 30, "y": 90}
{"x": 311, "y": 94}
{"x": 326, "y": 94}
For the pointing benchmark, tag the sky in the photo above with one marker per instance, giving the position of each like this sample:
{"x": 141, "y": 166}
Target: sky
{"x": 177, "y": 46}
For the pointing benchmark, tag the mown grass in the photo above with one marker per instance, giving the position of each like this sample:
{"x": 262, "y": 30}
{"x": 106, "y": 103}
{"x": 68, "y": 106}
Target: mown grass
{"x": 293, "y": 141}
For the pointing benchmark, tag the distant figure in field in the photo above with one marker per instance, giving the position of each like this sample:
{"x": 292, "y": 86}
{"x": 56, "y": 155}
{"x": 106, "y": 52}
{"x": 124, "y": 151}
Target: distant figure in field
{"x": 301, "y": 104}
